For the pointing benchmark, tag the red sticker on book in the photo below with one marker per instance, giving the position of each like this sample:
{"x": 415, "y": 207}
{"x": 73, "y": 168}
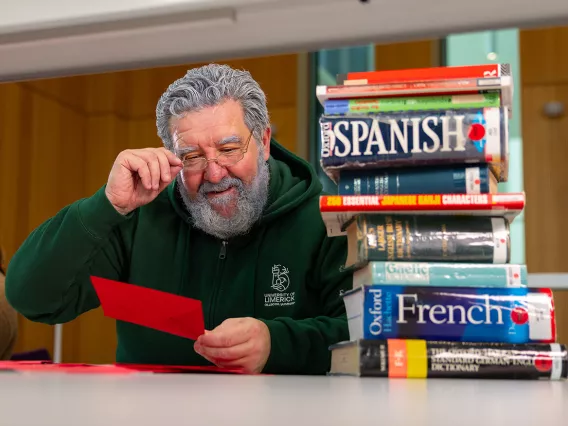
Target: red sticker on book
{"x": 476, "y": 132}
{"x": 519, "y": 315}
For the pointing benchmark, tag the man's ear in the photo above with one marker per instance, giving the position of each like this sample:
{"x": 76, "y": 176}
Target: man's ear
{"x": 266, "y": 142}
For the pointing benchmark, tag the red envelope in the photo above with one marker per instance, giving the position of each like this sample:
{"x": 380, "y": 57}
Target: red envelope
{"x": 151, "y": 308}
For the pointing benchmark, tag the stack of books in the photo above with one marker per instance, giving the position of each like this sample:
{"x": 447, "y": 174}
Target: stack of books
{"x": 417, "y": 156}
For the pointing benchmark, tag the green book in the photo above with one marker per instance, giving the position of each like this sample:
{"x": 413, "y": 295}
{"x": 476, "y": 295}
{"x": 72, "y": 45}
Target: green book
{"x": 413, "y": 103}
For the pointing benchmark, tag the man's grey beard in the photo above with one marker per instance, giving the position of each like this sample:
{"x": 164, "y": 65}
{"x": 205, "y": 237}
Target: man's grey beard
{"x": 251, "y": 200}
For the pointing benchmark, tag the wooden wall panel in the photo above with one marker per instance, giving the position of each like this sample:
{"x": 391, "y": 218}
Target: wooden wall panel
{"x": 14, "y": 175}
{"x": 69, "y": 92}
{"x": 544, "y": 78}
{"x": 107, "y": 94}
{"x": 416, "y": 54}
{"x": 285, "y": 126}
{"x": 142, "y": 133}
{"x": 16, "y": 147}
{"x": 544, "y": 58}
{"x": 58, "y": 140}
{"x": 546, "y": 179}
{"x": 105, "y": 137}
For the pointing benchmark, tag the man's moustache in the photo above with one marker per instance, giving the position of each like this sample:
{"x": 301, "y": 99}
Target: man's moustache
{"x": 225, "y": 184}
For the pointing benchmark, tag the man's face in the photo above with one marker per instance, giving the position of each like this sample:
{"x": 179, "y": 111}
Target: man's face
{"x": 218, "y": 193}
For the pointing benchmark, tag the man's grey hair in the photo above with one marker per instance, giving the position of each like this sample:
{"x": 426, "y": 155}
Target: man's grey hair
{"x": 211, "y": 85}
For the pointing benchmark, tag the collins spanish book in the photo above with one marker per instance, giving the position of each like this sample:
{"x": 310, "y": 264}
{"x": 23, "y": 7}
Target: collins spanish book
{"x": 417, "y": 138}
{"x": 419, "y": 359}
{"x": 464, "y": 314}
{"x": 479, "y": 239}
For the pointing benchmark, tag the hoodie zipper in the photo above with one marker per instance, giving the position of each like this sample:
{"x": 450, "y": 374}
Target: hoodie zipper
{"x": 217, "y": 283}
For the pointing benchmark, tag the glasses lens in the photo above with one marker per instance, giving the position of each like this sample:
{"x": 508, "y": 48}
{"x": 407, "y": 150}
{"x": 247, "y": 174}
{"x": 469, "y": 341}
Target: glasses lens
{"x": 230, "y": 159}
{"x": 195, "y": 164}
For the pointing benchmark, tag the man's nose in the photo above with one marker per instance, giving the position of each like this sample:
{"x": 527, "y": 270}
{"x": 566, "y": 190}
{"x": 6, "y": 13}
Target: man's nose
{"x": 214, "y": 172}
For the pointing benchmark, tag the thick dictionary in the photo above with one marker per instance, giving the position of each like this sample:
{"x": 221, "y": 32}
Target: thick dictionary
{"x": 458, "y": 179}
{"x": 463, "y": 314}
{"x": 417, "y": 138}
{"x": 415, "y": 358}
{"x": 338, "y": 210}
{"x": 382, "y": 237}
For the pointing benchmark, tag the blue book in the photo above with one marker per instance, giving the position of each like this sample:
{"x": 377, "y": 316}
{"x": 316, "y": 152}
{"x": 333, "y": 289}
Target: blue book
{"x": 441, "y": 274}
{"x": 463, "y": 314}
{"x": 460, "y": 179}
{"x": 416, "y": 138}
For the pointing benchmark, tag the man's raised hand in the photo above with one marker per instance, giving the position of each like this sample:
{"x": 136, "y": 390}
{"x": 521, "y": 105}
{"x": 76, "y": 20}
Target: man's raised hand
{"x": 139, "y": 175}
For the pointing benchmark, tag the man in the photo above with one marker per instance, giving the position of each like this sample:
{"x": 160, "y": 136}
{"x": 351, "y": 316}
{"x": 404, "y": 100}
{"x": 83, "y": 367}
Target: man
{"x": 8, "y": 320}
{"x": 223, "y": 214}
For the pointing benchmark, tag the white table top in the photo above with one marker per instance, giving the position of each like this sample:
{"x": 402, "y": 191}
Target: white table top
{"x": 46, "y": 399}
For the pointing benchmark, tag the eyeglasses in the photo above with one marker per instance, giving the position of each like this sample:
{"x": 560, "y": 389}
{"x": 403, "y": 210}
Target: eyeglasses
{"x": 230, "y": 155}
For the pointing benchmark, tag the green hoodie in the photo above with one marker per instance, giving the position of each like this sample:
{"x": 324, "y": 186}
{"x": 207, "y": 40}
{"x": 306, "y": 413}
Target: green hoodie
{"x": 156, "y": 246}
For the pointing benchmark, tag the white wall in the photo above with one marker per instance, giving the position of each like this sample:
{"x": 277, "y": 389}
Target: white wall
{"x": 40, "y": 38}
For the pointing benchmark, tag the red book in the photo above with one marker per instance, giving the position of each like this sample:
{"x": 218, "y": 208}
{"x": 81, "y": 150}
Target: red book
{"x": 337, "y": 210}
{"x": 425, "y": 74}
{"x": 503, "y": 85}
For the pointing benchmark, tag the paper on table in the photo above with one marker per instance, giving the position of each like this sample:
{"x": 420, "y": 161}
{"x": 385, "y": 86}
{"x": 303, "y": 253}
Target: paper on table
{"x": 78, "y": 368}
{"x": 181, "y": 368}
{"x": 170, "y": 313}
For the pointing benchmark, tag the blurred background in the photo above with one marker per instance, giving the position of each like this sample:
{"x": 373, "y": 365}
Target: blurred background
{"x": 66, "y": 112}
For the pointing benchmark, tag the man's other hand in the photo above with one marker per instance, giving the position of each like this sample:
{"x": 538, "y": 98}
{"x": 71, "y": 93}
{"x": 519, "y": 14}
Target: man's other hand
{"x": 236, "y": 343}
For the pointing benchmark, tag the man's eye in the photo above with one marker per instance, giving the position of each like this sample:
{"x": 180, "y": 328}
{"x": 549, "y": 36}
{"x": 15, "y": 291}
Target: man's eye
{"x": 192, "y": 158}
{"x": 229, "y": 150}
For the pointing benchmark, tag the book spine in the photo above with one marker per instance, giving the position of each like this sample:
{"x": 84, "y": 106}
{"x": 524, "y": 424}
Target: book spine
{"x": 425, "y": 74}
{"x": 440, "y": 274}
{"x": 408, "y": 358}
{"x": 501, "y": 315}
{"x": 422, "y": 202}
{"x": 504, "y": 85}
{"x": 337, "y": 210}
{"x": 418, "y": 138}
{"x": 407, "y": 238}
{"x": 341, "y": 107}
{"x": 428, "y": 180}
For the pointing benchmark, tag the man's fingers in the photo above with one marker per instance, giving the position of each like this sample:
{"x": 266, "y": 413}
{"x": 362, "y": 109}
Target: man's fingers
{"x": 221, "y": 339}
{"x": 165, "y": 166}
{"x": 226, "y": 353}
{"x": 138, "y": 165}
{"x": 240, "y": 363}
{"x": 230, "y": 333}
{"x": 153, "y": 165}
{"x": 172, "y": 159}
